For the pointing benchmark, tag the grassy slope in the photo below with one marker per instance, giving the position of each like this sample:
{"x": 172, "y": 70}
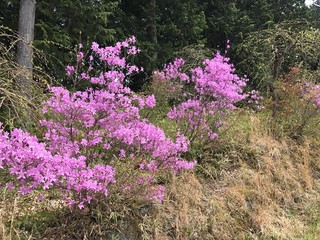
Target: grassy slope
{"x": 249, "y": 185}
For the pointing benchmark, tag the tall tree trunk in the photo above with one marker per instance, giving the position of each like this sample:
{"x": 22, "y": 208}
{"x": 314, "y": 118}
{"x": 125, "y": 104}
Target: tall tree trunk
{"x": 318, "y": 13}
{"x": 153, "y": 33}
{"x": 25, "y": 51}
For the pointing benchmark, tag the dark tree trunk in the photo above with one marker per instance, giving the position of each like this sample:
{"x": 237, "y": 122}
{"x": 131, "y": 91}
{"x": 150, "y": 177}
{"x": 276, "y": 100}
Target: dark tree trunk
{"x": 153, "y": 33}
{"x": 318, "y": 13}
{"x": 26, "y": 33}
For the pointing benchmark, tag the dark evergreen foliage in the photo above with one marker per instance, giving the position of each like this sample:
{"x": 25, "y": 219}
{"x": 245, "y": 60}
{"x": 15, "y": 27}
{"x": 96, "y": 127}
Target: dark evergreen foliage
{"x": 162, "y": 28}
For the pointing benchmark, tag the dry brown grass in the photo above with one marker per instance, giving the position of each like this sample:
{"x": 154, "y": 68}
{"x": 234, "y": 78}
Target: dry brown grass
{"x": 26, "y": 217}
{"x": 268, "y": 198}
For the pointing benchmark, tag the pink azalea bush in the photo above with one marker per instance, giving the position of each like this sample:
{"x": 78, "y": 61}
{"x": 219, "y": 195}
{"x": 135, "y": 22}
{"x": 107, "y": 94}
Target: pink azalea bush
{"x": 216, "y": 91}
{"x": 311, "y": 94}
{"x": 95, "y": 139}
{"x": 306, "y": 120}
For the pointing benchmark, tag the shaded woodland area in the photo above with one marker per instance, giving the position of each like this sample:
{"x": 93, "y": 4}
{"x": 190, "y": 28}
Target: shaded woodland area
{"x": 163, "y": 28}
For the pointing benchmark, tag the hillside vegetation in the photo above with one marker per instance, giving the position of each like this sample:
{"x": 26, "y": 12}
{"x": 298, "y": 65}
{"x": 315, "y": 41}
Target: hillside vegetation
{"x": 249, "y": 185}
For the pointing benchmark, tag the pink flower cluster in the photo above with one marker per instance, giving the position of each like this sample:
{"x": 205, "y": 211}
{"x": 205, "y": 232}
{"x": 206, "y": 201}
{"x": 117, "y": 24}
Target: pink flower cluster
{"x": 34, "y": 165}
{"x": 255, "y": 98}
{"x": 217, "y": 90}
{"x": 109, "y": 61}
{"x": 172, "y": 71}
{"x": 90, "y": 134}
{"x": 311, "y": 93}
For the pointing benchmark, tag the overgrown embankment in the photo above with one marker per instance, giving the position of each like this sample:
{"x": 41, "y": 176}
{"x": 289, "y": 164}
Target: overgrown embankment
{"x": 251, "y": 187}
{"x": 248, "y": 185}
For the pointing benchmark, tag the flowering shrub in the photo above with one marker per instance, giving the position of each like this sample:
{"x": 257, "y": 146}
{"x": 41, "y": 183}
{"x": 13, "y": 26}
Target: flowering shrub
{"x": 304, "y": 108}
{"x": 96, "y": 138}
{"x": 311, "y": 93}
{"x": 168, "y": 86}
{"x": 298, "y": 105}
{"x": 216, "y": 90}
